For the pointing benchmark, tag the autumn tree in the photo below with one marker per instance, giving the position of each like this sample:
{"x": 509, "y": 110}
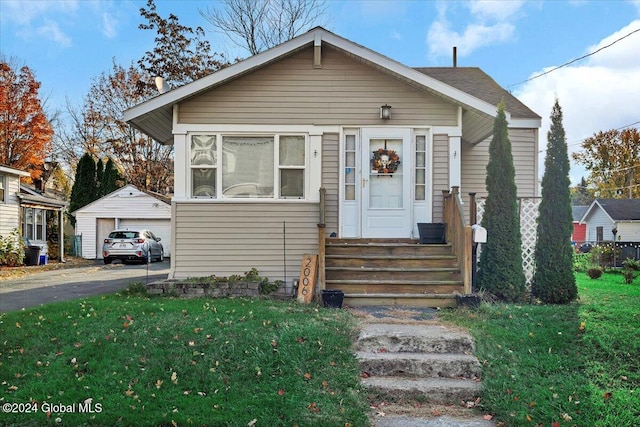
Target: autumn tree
{"x": 553, "y": 280}
{"x": 501, "y": 272}
{"x": 25, "y": 131}
{"x": 257, "y": 25}
{"x": 181, "y": 54}
{"x": 612, "y": 159}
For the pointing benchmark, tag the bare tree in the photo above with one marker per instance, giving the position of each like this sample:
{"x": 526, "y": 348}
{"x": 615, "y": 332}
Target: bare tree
{"x": 99, "y": 129}
{"x": 257, "y": 25}
{"x": 181, "y": 54}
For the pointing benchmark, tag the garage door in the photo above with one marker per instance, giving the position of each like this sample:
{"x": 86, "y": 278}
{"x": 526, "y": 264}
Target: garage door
{"x": 160, "y": 227}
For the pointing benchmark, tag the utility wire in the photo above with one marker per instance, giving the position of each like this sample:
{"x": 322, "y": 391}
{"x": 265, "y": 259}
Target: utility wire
{"x": 575, "y": 60}
{"x": 584, "y": 139}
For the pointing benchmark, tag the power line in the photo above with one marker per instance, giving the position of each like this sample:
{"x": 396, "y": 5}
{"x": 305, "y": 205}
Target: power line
{"x": 575, "y": 60}
{"x": 584, "y": 139}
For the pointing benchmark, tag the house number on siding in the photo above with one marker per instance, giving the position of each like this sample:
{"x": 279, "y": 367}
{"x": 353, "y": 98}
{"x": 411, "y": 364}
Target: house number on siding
{"x": 308, "y": 270}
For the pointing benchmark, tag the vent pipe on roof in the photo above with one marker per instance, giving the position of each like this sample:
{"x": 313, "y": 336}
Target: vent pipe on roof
{"x": 455, "y": 57}
{"x": 162, "y": 86}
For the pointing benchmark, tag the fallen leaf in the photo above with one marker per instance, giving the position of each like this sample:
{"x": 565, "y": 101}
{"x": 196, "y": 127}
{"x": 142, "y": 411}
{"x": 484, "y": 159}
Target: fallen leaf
{"x": 583, "y": 325}
{"x": 307, "y": 376}
{"x": 325, "y": 383}
{"x": 555, "y": 424}
{"x": 382, "y": 350}
{"x": 364, "y": 374}
{"x": 129, "y": 392}
{"x": 281, "y": 392}
{"x": 158, "y": 383}
{"x": 18, "y": 325}
{"x": 566, "y": 417}
{"x": 125, "y": 325}
{"x": 607, "y": 395}
{"x": 252, "y": 422}
{"x": 488, "y": 417}
{"x": 174, "y": 378}
{"x": 529, "y": 417}
{"x": 435, "y": 413}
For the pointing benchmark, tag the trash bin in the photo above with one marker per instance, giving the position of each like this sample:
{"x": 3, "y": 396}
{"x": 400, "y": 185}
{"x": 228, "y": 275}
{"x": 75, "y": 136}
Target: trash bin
{"x": 32, "y": 255}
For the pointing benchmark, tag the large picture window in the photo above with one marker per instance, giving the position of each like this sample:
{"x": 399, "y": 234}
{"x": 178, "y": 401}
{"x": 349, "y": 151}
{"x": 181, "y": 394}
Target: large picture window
{"x": 33, "y": 223}
{"x": 248, "y": 166}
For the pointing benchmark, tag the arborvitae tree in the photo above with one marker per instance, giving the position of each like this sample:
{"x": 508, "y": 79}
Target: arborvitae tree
{"x": 501, "y": 271}
{"x": 99, "y": 177}
{"x": 553, "y": 281}
{"x": 85, "y": 188}
{"x": 111, "y": 179}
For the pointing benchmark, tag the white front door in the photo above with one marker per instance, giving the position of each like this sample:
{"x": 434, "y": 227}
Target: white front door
{"x": 386, "y": 183}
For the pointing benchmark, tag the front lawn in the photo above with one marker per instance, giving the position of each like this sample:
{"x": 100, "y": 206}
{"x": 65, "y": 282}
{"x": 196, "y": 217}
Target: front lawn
{"x": 134, "y": 361}
{"x": 573, "y": 365}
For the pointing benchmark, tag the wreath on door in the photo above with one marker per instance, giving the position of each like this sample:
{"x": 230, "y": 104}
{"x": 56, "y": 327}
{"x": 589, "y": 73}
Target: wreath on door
{"x": 385, "y": 161}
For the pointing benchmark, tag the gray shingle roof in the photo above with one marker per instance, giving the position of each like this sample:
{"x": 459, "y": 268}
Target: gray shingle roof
{"x": 621, "y": 209}
{"x": 477, "y": 83}
{"x": 578, "y": 212}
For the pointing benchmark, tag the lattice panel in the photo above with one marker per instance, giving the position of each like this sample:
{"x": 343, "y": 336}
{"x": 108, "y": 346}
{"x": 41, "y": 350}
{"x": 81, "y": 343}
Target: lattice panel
{"x": 528, "y": 215}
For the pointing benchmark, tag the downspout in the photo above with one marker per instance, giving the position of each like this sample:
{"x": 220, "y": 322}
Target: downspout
{"x": 61, "y": 235}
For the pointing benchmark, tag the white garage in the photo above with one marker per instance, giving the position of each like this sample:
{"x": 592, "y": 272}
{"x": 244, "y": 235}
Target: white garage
{"x": 126, "y": 207}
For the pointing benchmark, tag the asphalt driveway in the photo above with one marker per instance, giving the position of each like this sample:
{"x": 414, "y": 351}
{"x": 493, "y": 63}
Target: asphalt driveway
{"x": 66, "y": 284}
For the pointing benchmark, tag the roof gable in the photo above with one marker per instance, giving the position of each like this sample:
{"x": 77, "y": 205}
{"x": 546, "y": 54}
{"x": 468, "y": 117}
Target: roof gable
{"x": 126, "y": 191}
{"x": 154, "y": 117}
{"x": 13, "y": 171}
{"x": 616, "y": 209}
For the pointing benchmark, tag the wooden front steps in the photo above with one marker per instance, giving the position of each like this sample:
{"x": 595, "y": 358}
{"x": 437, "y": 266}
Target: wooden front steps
{"x": 392, "y": 272}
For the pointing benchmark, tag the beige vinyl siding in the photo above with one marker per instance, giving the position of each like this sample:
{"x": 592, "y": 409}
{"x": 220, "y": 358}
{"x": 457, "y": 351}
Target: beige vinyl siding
{"x": 440, "y": 174}
{"x": 10, "y": 208}
{"x": 229, "y": 238}
{"x": 292, "y": 92}
{"x": 475, "y": 159}
{"x": 330, "y": 179}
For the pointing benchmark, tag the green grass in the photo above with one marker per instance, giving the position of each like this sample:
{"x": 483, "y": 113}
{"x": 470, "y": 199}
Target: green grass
{"x": 164, "y": 361}
{"x": 577, "y": 364}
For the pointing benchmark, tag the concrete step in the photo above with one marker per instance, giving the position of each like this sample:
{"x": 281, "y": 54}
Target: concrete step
{"x": 423, "y": 365}
{"x": 395, "y": 338}
{"x": 405, "y": 421}
{"x": 443, "y": 391}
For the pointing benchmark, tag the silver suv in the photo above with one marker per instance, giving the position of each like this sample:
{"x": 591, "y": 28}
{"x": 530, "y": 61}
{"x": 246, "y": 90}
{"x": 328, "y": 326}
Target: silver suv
{"x": 132, "y": 245}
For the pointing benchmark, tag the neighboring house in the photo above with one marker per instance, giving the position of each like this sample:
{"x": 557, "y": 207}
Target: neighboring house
{"x": 42, "y": 218}
{"x": 255, "y": 142}
{"x": 579, "y": 234}
{"x": 612, "y": 220}
{"x": 9, "y": 201}
{"x": 126, "y": 207}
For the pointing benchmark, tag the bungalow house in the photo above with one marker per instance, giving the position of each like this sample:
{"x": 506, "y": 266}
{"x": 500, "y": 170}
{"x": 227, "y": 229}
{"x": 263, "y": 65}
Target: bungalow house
{"x": 9, "y": 201}
{"x": 38, "y": 215}
{"x": 614, "y": 220}
{"x": 322, "y": 146}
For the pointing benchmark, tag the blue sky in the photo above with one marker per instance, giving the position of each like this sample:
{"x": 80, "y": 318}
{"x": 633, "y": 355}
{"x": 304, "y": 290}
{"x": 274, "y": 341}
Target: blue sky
{"x": 68, "y": 43}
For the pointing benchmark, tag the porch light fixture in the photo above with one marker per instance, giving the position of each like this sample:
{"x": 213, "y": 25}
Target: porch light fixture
{"x": 385, "y": 112}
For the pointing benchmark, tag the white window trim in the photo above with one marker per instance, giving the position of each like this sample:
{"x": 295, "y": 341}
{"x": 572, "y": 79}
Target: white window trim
{"x": 311, "y": 150}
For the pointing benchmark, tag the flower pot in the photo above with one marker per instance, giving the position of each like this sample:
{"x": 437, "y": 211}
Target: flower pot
{"x": 432, "y": 232}
{"x": 332, "y": 298}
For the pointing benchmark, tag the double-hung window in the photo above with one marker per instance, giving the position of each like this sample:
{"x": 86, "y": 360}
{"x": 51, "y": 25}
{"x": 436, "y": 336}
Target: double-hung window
{"x": 248, "y": 166}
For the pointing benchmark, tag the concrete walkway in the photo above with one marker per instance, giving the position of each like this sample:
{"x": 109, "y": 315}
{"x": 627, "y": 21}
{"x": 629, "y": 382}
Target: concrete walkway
{"x": 419, "y": 371}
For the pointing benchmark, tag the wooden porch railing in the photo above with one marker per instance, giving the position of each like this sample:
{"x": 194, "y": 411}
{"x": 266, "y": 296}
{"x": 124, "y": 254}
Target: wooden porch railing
{"x": 458, "y": 234}
{"x": 321, "y": 240}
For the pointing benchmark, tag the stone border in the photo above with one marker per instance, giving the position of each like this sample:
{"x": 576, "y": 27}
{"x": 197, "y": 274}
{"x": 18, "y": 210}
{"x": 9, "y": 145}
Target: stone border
{"x": 186, "y": 289}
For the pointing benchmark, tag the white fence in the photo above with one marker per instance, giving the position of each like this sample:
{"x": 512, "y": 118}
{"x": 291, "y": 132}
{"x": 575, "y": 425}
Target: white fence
{"x": 528, "y": 207}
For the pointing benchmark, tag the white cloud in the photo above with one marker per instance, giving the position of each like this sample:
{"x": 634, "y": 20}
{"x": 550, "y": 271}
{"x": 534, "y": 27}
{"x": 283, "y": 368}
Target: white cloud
{"x": 495, "y": 10}
{"x": 490, "y": 22}
{"x": 24, "y": 12}
{"x": 596, "y": 94}
{"x": 52, "y": 31}
{"x": 109, "y": 24}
